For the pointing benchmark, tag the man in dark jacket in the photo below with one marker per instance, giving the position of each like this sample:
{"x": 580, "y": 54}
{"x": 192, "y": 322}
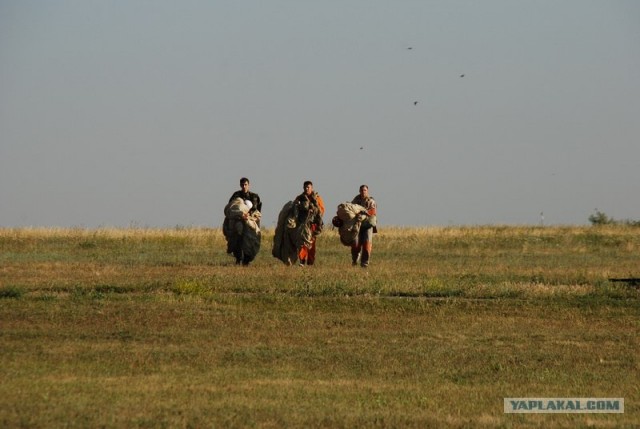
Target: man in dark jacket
{"x": 245, "y": 194}
{"x": 234, "y": 239}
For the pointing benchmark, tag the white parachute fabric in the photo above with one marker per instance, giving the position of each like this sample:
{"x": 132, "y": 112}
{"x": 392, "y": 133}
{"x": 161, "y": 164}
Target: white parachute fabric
{"x": 352, "y": 217}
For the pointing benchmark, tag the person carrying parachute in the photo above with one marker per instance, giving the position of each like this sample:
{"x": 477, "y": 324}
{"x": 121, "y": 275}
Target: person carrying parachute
{"x": 241, "y": 226}
{"x": 357, "y": 222}
{"x": 299, "y": 223}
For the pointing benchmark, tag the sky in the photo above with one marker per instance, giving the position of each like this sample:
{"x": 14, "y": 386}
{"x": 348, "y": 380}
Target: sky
{"x": 146, "y": 113}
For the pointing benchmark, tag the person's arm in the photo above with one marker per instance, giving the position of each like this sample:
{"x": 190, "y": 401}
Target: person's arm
{"x": 372, "y": 210}
{"x": 320, "y": 204}
{"x": 258, "y": 204}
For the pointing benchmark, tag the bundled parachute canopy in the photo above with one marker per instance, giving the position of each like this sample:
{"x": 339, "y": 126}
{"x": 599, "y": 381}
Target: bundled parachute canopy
{"x": 351, "y": 215}
{"x": 284, "y": 241}
{"x": 295, "y": 230}
{"x": 235, "y": 226}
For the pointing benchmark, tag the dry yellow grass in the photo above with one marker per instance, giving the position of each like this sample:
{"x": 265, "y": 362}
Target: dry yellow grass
{"x": 158, "y": 328}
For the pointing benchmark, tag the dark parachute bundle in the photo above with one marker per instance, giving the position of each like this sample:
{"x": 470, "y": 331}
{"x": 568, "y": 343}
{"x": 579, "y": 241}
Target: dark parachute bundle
{"x": 294, "y": 231}
{"x": 235, "y": 226}
{"x": 284, "y": 246}
{"x": 348, "y": 219}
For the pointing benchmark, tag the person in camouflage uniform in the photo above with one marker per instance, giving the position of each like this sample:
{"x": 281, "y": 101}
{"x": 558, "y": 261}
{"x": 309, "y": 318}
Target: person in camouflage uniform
{"x": 362, "y": 247}
{"x": 309, "y": 209}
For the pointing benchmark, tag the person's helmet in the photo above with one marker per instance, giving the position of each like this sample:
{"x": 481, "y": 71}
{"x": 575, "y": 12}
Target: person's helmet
{"x": 337, "y": 222}
{"x": 248, "y": 204}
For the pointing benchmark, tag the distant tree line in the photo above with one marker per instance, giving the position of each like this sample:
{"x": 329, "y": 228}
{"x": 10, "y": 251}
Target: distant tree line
{"x": 601, "y": 218}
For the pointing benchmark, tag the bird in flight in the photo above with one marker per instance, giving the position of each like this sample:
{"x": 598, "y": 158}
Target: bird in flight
{"x": 415, "y": 103}
{"x": 462, "y": 75}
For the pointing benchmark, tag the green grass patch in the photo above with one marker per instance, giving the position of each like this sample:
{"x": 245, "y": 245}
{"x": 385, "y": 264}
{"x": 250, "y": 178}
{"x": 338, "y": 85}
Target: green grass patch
{"x": 11, "y": 292}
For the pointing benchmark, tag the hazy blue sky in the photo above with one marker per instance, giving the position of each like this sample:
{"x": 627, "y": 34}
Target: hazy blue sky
{"x": 147, "y": 113}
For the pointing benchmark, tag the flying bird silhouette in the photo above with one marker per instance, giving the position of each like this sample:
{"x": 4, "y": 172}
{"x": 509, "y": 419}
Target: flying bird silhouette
{"x": 462, "y": 75}
{"x": 415, "y": 103}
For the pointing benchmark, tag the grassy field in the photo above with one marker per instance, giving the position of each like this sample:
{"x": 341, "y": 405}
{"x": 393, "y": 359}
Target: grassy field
{"x": 159, "y": 329}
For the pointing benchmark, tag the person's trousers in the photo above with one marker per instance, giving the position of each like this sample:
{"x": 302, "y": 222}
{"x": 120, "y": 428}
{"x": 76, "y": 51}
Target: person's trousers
{"x": 362, "y": 247}
{"x": 307, "y": 255}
